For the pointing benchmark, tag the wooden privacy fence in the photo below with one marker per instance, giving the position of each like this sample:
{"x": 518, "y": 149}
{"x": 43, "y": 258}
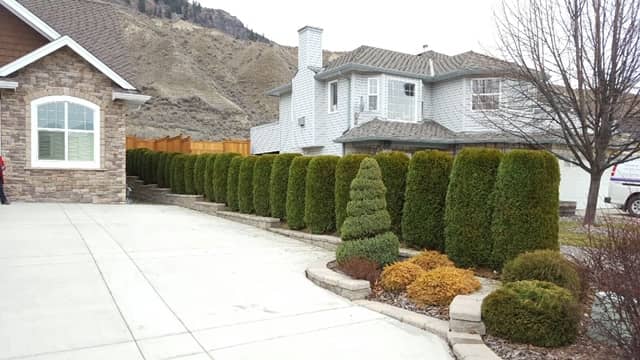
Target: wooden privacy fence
{"x": 186, "y": 145}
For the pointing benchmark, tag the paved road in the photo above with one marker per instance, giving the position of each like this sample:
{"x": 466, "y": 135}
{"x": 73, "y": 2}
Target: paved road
{"x": 160, "y": 282}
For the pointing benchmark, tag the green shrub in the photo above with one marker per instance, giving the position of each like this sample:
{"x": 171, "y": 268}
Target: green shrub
{"x": 261, "y": 184}
{"x": 208, "y": 177}
{"x": 382, "y": 249}
{"x": 278, "y": 185}
{"x": 423, "y": 212}
{"x": 198, "y": 173}
{"x": 189, "y": 169}
{"x": 155, "y": 167}
{"x": 232, "y": 183}
{"x": 245, "y": 185}
{"x": 393, "y": 166}
{"x": 160, "y": 170}
{"x": 543, "y": 265}
{"x": 296, "y": 189}
{"x": 532, "y": 312}
{"x": 468, "y": 207}
{"x": 128, "y": 161}
{"x": 319, "y": 209}
{"x": 526, "y": 205}
{"x": 177, "y": 185}
{"x": 346, "y": 170}
{"x": 140, "y": 163}
{"x": 220, "y": 170}
{"x": 168, "y": 171}
{"x": 147, "y": 168}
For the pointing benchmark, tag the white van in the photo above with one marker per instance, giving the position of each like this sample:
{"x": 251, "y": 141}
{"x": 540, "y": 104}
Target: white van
{"x": 624, "y": 187}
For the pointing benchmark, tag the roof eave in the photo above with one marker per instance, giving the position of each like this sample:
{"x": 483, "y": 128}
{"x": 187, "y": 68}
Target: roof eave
{"x": 351, "y": 67}
{"x": 279, "y": 91}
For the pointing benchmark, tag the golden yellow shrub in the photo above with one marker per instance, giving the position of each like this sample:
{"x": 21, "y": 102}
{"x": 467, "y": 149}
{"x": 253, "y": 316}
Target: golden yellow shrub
{"x": 397, "y": 276}
{"x": 429, "y": 260}
{"x": 441, "y": 285}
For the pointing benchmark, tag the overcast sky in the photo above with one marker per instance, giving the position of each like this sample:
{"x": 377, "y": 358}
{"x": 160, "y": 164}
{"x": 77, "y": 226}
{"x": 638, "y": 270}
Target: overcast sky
{"x": 448, "y": 26}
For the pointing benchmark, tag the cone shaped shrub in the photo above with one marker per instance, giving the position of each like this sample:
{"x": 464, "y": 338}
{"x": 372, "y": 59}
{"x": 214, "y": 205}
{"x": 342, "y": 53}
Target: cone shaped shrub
{"x": 198, "y": 174}
{"x": 393, "y": 166}
{"x": 319, "y": 210}
{"x": 296, "y": 188}
{"x": 262, "y": 183}
{"x": 160, "y": 170}
{"x": 366, "y": 229}
{"x": 189, "y": 169}
{"x": 220, "y": 170}
{"x": 278, "y": 185}
{"x": 526, "y": 204}
{"x": 245, "y": 185}
{"x": 346, "y": 171}
{"x": 232, "y": 183}
{"x": 177, "y": 185}
{"x": 168, "y": 170}
{"x": 423, "y": 212}
{"x": 468, "y": 207}
{"x": 208, "y": 177}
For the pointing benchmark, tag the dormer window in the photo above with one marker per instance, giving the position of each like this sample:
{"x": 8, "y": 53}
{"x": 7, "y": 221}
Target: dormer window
{"x": 485, "y": 94}
{"x": 333, "y": 96}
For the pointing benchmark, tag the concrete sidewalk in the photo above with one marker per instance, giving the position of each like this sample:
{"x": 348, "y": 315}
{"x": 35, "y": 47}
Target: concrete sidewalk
{"x": 161, "y": 282}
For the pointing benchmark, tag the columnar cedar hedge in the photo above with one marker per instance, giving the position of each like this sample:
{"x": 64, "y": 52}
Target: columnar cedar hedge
{"x": 296, "y": 189}
{"x": 468, "y": 207}
{"x": 160, "y": 170}
{"x": 198, "y": 174}
{"x": 525, "y": 216}
{"x": 423, "y": 212}
{"x": 140, "y": 163}
{"x": 155, "y": 163}
{"x": 220, "y": 169}
{"x": 232, "y": 183}
{"x": 177, "y": 184}
{"x": 147, "y": 167}
{"x": 168, "y": 171}
{"x": 245, "y": 185}
{"x": 208, "y": 176}
{"x": 393, "y": 166}
{"x": 278, "y": 184}
{"x": 261, "y": 184}
{"x": 189, "y": 167}
{"x": 346, "y": 170}
{"x": 366, "y": 228}
{"x": 319, "y": 209}
{"x": 127, "y": 160}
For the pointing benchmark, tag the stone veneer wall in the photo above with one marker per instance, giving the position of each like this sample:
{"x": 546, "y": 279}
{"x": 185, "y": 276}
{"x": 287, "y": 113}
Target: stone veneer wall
{"x": 62, "y": 73}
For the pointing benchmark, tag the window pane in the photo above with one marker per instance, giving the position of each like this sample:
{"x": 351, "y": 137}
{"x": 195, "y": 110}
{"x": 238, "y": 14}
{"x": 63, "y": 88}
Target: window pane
{"x": 401, "y": 105}
{"x": 51, "y": 115}
{"x": 50, "y": 145}
{"x": 80, "y": 146}
{"x": 80, "y": 117}
{"x": 485, "y": 102}
{"x": 373, "y": 102}
{"x": 373, "y": 86}
{"x": 486, "y": 86}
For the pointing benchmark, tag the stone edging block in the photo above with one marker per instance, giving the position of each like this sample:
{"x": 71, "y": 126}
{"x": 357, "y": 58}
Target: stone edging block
{"x": 253, "y": 220}
{"x": 424, "y": 322}
{"x": 465, "y": 311}
{"x": 338, "y": 283}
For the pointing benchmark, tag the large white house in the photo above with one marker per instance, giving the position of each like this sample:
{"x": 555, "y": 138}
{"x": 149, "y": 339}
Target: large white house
{"x": 370, "y": 100}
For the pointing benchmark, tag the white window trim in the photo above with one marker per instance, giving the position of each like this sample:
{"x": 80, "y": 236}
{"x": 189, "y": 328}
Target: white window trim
{"x": 499, "y": 93}
{"x": 65, "y": 164}
{"x": 376, "y": 94}
{"x": 417, "y": 91}
{"x": 330, "y": 99}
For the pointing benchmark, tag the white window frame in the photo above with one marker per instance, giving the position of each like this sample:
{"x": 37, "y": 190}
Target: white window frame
{"x": 499, "y": 93}
{"x": 416, "y": 113}
{"x": 65, "y": 164}
{"x": 330, "y": 107}
{"x": 376, "y": 94}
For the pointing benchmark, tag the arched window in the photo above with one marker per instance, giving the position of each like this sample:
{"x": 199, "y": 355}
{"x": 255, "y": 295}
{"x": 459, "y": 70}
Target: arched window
{"x": 65, "y": 133}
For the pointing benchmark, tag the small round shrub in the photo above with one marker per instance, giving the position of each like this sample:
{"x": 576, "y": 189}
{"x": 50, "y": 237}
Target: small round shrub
{"x": 319, "y": 211}
{"x": 429, "y": 260}
{"x": 468, "y": 207}
{"x": 161, "y": 170}
{"x": 177, "y": 185}
{"x": 261, "y": 184}
{"x": 423, "y": 212}
{"x": 189, "y": 170}
{"x": 296, "y": 192}
{"x": 532, "y": 312}
{"x": 526, "y": 205}
{"x": 393, "y": 166}
{"x": 208, "y": 177}
{"x": 245, "y": 185}
{"x": 232, "y": 183}
{"x": 397, "y": 276}
{"x": 440, "y": 285}
{"x": 198, "y": 174}
{"x": 383, "y": 249}
{"x": 543, "y": 265}
{"x": 220, "y": 170}
{"x": 278, "y": 185}
{"x": 346, "y": 170}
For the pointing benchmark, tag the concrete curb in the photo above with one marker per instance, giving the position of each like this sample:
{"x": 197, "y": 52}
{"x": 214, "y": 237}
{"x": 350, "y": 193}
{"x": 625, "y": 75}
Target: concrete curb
{"x": 253, "y": 220}
{"x": 424, "y": 322}
{"x": 338, "y": 283}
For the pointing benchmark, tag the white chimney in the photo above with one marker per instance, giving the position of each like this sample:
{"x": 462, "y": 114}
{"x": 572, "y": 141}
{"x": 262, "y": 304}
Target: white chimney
{"x": 309, "y": 47}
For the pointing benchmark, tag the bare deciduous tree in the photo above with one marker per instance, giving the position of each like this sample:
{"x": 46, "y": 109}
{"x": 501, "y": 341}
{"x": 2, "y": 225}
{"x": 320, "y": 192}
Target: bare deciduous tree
{"x": 581, "y": 58}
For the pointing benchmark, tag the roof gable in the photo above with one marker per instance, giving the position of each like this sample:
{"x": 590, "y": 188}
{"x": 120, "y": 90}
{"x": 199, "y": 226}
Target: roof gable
{"x": 30, "y": 18}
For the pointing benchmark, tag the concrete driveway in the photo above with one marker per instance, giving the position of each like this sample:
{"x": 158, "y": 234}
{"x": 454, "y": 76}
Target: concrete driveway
{"x": 160, "y": 282}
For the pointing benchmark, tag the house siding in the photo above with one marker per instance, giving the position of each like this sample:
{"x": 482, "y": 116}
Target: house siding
{"x": 16, "y": 38}
{"x": 447, "y": 104}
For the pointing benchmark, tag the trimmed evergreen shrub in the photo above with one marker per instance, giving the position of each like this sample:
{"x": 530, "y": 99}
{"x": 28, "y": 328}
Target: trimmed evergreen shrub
{"x": 296, "y": 189}
{"x": 261, "y": 184}
{"x": 346, "y": 170}
{"x": 440, "y": 285}
{"x": 160, "y": 170}
{"x": 189, "y": 169}
{"x": 366, "y": 229}
{"x": 532, "y": 312}
{"x": 198, "y": 174}
{"x": 220, "y": 170}
{"x": 208, "y": 177}
{"x": 319, "y": 209}
{"x": 232, "y": 183}
{"x": 393, "y": 166}
{"x": 245, "y": 185}
{"x": 148, "y": 170}
{"x": 526, "y": 205}
{"x": 128, "y": 160}
{"x": 177, "y": 185}
{"x": 397, "y": 276}
{"x": 278, "y": 185}
{"x": 140, "y": 162}
{"x": 468, "y": 207}
{"x": 168, "y": 171}
{"x": 543, "y": 265}
{"x": 423, "y": 212}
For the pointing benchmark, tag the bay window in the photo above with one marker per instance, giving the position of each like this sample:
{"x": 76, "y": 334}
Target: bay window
{"x": 402, "y": 100}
